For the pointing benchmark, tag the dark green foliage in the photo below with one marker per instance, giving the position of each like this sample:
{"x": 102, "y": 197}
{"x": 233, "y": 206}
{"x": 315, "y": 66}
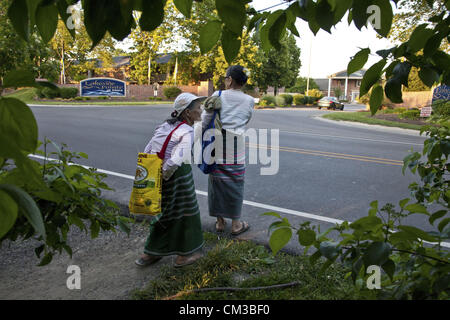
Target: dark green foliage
{"x": 171, "y": 92}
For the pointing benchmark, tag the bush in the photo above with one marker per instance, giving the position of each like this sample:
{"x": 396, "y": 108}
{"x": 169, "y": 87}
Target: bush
{"x": 268, "y": 100}
{"x": 441, "y": 108}
{"x": 171, "y": 92}
{"x": 68, "y": 93}
{"x": 49, "y": 93}
{"x": 288, "y": 98}
{"x": 299, "y": 99}
{"x": 310, "y": 100}
{"x": 315, "y": 93}
{"x": 279, "y": 101}
{"x": 412, "y": 114}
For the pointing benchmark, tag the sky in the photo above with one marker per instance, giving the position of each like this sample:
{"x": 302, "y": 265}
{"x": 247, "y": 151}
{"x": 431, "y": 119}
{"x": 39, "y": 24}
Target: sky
{"x": 330, "y": 53}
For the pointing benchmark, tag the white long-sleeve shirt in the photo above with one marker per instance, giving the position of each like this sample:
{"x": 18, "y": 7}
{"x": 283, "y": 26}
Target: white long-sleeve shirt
{"x": 178, "y": 149}
{"x": 236, "y": 110}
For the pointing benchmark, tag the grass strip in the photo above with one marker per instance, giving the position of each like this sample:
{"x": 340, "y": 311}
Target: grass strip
{"x": 243, "y": 270}
{"x": 365, "y": 117}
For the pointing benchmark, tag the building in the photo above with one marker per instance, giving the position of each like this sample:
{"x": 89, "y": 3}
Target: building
{"x": 348, "y": 84}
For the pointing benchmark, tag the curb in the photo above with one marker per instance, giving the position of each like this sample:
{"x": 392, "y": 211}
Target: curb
{"x": 374, "y": 127}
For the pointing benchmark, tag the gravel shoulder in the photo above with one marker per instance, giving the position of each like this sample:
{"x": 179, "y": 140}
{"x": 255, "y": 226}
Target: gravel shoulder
{"x": 107, "y": 268}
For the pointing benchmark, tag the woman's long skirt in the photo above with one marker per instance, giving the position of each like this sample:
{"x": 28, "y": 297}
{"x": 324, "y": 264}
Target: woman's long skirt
{"x": 178, "y": 229}
{"x": 226, "y": 183}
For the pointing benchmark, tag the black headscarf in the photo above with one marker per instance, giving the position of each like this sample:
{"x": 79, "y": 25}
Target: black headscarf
{"x": 237, "y": 73}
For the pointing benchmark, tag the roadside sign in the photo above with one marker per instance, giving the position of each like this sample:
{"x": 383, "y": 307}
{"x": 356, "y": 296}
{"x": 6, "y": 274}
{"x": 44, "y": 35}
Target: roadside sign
{"x": 95, "y": 87}
{"x": 425, "y": 112}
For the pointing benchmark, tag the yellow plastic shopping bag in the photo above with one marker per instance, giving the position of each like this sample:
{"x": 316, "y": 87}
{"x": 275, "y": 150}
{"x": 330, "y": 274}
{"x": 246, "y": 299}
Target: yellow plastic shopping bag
{"x": 146, "y": 195}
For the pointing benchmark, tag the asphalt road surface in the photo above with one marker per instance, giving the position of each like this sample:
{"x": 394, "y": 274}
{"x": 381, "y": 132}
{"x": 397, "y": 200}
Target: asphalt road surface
{"x": 326, "y": 170}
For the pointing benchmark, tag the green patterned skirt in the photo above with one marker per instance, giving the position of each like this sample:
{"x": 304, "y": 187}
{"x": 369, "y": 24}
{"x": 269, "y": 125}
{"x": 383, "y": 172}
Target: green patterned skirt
{"x": 177, "y": 230}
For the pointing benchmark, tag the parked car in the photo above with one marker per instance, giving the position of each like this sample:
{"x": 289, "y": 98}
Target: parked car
{"x": 330, "y": 103}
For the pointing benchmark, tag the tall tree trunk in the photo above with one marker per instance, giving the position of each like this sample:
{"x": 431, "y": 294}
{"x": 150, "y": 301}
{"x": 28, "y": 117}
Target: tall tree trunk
{"x": 275, "y": 90}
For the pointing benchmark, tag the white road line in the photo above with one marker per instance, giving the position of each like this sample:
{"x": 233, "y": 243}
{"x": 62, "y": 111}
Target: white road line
{"x": 246, "y": 202}
{"x": 351, "y": 138}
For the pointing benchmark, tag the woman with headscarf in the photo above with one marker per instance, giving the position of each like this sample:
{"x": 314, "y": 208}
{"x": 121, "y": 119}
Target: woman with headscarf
{"x": 226, "y": 182}
{"x": 177, "y": 230}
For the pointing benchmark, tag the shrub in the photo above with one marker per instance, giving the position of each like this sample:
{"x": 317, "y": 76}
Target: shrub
{"x": 50, "y": 93}
{"x": 441, "y": 108}
{"x": 68, "y": 93}
{"x": 280, "y": 101}
{"x": 411, "y": 114}
{"x": 315, "y": 93}
{"x": 268, "y": 100}
{"x": 299, "y": 99}
{"x": 310, "y": 100}
{"x": 288, "y": 98}
{"x": 171, "y": 92}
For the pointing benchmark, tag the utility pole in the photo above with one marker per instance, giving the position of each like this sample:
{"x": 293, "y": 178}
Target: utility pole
{"x": 309, "y": 66}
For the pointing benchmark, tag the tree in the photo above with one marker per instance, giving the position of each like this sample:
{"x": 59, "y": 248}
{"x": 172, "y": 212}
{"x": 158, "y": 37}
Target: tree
{"x": 212, "y": 64}
{"x": 301, "y": 84}
{"x": 279, "y": 67}
{"x": 147, "y": 45}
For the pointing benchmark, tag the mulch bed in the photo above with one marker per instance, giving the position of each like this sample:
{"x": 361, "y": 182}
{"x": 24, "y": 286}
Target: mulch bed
{"x": 394, "y": 117}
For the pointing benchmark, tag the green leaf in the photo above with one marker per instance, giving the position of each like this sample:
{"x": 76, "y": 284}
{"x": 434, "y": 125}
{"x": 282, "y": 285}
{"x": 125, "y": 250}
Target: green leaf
{"x": 230, "y": 45}
{"x": 18, "y": 124}
{"x": 152, "y": 14}
{"x": 376, "y": 98}
{"x": 403, "y": 202}
{"x": 325, "y": 15}
{"x": 19, "y": 78}
{"x": 184, "y": 6}
{"x": 358, "y": 61}
{"x": 46, "y": 260}
{"x": 119, "y": 19}
{"x": 386, "y": 16}
{"x": 8, "y": 213}
{"x": 27, "y": 207}
{"x": 74, "y": 219}
{"x": 209, "y": 35}
{"x": 389, "y": 268}
{"x": 419, "y": 38}
{"x": 95, "y": 229}
{"x": 393, "y": 90}
{"x": 359, "y": 12}
{"x": 418, "y": 233}
{"x": 366, "y": 223}
{"x": 443, "y": 224}
{"x": 428, "y": 76}
{"x": 62, "y": 10}
{"x": 232, "y": 13}
{"x": 277, "y": 30}
{"x": 416, "y": 208}
{"x": 123, "y": 226}
{"x": 18, "y": 14}
{"x": 47, "y": 21}
{"x": 329, "y": 249}
{"x": 372, "y": 75}
{"x": 95, "y": 16}
{"x": 377, "y": 253}
{"x": 437, "y": 215}
{"x": 306, "y": 237}
{"x": 279, "y": 239}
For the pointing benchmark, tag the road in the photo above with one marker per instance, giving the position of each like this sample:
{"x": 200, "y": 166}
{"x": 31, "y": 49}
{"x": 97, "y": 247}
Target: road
{"x": 325, "y": 169}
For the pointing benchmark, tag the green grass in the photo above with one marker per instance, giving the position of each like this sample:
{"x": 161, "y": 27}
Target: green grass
{"x": 244, "y": 264}
{"x": 365, "y": 117}
{"x": 28, "y": 95}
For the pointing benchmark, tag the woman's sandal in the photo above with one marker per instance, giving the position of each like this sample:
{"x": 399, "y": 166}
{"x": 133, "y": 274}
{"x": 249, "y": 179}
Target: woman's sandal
{"x": 224, "y": 223}
{"x": 146, "y": 262}
{"x": 244, "y": 227}
{"x": 188, "y": 261}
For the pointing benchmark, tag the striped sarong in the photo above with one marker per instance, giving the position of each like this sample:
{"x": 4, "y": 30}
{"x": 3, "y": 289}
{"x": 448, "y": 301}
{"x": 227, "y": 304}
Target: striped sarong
{"x": 178, "y": 229}
{"x": 226, "y": 184}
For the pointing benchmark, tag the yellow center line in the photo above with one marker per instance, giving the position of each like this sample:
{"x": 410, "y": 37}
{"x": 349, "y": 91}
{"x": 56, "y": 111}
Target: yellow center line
{"x": 332, "y": 154}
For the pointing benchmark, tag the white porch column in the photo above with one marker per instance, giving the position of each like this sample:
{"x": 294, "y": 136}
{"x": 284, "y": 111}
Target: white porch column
{"x": 329, "y": 87}
{"x": 346, "y": 86}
